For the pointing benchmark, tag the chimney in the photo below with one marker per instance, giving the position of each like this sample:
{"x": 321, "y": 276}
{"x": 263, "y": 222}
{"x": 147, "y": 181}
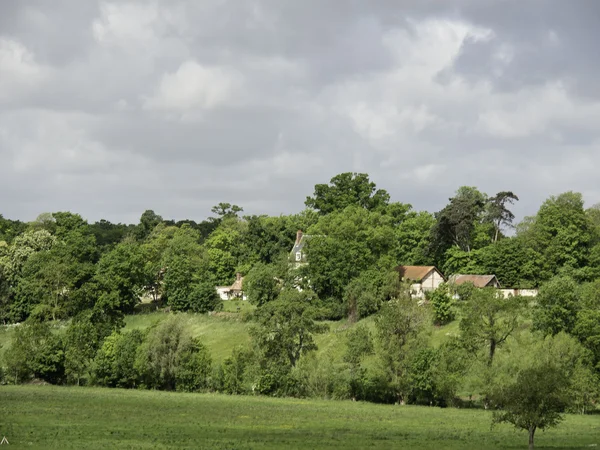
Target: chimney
{"x": 298, "y": 236}
{"x": 238, "y": 276}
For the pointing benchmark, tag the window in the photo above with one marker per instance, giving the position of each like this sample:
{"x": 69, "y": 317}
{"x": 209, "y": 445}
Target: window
{"x": 298, "y": 256}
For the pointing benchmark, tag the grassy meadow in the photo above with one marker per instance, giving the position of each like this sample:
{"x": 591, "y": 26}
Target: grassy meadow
{"x": 41, "y": 417}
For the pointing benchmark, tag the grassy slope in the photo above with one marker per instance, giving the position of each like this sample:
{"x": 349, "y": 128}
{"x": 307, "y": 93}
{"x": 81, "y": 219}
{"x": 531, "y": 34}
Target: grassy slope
{"x": 222, "y": 333}
{"x": 39, "y": 417}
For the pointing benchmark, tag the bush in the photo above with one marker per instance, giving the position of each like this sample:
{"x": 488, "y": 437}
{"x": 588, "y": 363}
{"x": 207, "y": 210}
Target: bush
{"x": 193, "y": 367}
{"x": 114, "y": 365}
{"x": 35, "y": 352}
{"x": 442, "y": 305}
{"x": 204, "y": 298}
{"x": 233, "y": 376}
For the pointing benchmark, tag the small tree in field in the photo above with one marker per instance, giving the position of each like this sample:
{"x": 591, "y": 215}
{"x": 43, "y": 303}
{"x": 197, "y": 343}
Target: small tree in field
{"x": 535, "y": 400}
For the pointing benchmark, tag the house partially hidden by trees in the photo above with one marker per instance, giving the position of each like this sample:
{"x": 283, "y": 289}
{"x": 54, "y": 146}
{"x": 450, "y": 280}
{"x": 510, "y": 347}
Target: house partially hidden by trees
{"x": 298, "y": 253}
{"x": 422, "y": 278}
{"x": 233, "y": 292}
{"x": 479, "y": 281}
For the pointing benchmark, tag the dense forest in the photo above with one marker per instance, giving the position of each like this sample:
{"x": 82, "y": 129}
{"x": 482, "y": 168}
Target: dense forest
{"x": 61, "y": 269}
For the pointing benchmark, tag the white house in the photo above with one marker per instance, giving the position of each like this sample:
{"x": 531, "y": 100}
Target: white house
{"x": 233, "y": 292}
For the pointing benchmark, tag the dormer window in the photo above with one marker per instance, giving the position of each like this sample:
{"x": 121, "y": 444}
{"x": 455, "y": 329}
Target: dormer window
{"x": 298, "y": 256}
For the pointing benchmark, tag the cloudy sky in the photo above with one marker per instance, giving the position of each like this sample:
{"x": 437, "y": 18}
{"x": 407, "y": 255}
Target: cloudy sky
{"x": 111, "y": 108}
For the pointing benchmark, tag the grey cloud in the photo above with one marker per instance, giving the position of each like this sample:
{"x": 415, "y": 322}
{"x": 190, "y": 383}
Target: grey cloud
{"x": 98, "y": 114}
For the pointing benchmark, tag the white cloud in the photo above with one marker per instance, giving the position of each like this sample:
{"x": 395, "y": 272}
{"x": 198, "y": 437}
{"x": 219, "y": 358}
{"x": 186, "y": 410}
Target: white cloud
{"x": 19, "y": 72}
{"x": 196, "y": 86}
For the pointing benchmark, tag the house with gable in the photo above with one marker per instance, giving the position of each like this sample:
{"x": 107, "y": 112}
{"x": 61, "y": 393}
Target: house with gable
{"x": 233, "y": 292}
{"x": 422, "y": 278}
{"x": 298, "y": 253}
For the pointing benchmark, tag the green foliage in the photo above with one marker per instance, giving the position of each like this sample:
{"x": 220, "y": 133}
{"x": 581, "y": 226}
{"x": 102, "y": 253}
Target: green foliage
{"x": 347, "y": 189}
{"x": 261, "y": 284}
{"x": 488, "y": 320}
{"x": 193, "y": 367}
{"x": 538, "y": 381}
{"x": 535, "y": 400}
{"x": 203, "y": 298}
{"x": 160, "y": 355}
{"x": 402, "y": 328}
{"x": 114, "y": 364}
{"x": 35, "y": 352}
{"x": 456, "y": 223}
{"x": 442, "y": 305}
{"x": 344, "y": 244}
{"x": 285, "y": 328}
{"x": 557, "y": 305}
{"x": 234, "y": 375}
{"x": 359, "y": 344}
{"x": 120, "y": 275}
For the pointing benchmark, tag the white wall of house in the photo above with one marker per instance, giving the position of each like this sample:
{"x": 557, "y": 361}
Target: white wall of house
{"x": 522, "y": 292}
{"x": 432, "y": 281}
{"x": 222, "y": 291}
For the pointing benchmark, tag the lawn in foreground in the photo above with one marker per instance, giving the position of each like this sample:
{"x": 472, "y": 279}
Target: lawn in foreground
{"x": 75, "y": 418}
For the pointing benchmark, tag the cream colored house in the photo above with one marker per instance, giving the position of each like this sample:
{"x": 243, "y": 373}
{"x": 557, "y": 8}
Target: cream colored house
{"x": 422, "y": 278}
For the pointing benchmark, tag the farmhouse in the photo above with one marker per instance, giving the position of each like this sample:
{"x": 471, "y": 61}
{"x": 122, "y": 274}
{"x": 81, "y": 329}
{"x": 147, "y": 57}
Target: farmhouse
{"x": 479, "y": 281}
{"x": 233, "y": 292}
{"x": 422, "y": 278}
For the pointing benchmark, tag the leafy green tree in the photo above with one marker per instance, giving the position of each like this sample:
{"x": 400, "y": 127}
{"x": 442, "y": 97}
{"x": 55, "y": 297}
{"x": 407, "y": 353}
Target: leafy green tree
{"x": 286, "y": 327}
{"x": 456, "y": 224}
{"x": 488, "y": 320}
{"x": 203, "y": 298}
{"x": 365, "y": 294}
{"x": 187, "y": 285}
{"x": 148, "y": 221}
{"x": 261, "y": 284}
{"x": 35, "y": 352}
{"x": 359, "y": 344}
{"x": 223, "y": 250}
{"x": 513, "y": 261}
{"x": 413, "y": 238}
{"x": 121, "y": 276}
{"x": 226, "y": 210}
{"x": 557, "y": 306}
{"x": 561, "y": 232}
{"x": 402, "y": 327}
{"x": 114, "y": 364}
{"x": 442, "y": 305}
{"x": 347, "y": 189}
{"x": 537, "y": 381}
{"x": 193, "y": 367}
{"x": 234, "y": 372}
{"x": 23, "y": 246}
{"x": 158, "y": 357}
{"x": 498, "y": 213}
{"x": 82, "y": 340}
{"x": 535, "y": 400}
{"x": 344, "y": 244}
{"x": 108, "y": 234}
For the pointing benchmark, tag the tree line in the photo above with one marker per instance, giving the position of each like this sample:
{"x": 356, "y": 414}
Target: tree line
{"x": 60, "y": 269}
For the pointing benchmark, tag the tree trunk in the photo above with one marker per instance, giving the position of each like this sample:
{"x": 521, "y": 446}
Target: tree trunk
{"x": 492, "y": 351}
{"x": 531, "y": 433}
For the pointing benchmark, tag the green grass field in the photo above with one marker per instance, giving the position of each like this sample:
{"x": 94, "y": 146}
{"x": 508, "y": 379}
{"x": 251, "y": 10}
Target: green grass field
{"x": 43, "y": 417}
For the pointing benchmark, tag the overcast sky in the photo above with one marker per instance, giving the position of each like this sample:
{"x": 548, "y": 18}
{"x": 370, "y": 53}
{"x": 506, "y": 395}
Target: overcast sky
{"x": 112, "y": 108}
